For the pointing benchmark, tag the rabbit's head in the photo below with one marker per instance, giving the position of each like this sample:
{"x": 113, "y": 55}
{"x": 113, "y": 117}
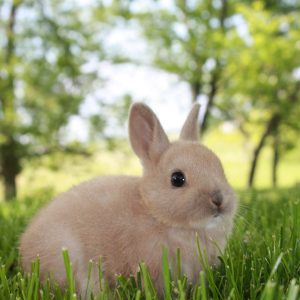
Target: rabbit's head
{"x": 183, "y": 183}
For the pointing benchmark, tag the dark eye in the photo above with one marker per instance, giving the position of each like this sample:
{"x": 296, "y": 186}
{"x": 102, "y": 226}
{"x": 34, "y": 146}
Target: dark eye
{"x": 177, "y": 179}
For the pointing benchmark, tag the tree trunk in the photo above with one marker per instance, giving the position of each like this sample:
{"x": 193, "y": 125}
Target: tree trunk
{"x": 195, "y": 90}
{"x": 210, "y": 101}
{"x": 271, "y": 126}
{"x": 256, "y": 154}
{"x": 10, "y": 165}
{"x": 293, "y": 98}
{"x": 9, "y": 159}
{"x": 275, "y": 159}
{"x": 10, "y": 187}
{"x": 223, "y": 14}
{"x": 216, "y": 72}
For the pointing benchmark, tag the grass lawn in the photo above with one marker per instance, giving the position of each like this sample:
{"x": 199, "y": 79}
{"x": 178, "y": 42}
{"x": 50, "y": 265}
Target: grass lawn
{"x": 262, "y": 260}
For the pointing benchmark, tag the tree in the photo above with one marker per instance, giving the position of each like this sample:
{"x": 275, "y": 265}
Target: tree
{"x": 185, "y": 38}
{"x": 41, "y": 79}
{"x": 264, "y": 84}
{"x": 188, "y": 41}
{"x": 214, "y": 45}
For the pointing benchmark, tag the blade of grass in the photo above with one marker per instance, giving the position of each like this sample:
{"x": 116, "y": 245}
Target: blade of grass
{"x": 178, "y": 260}
{"x": 69, "y": 273}
{"x": 203, "y": 286}
{"x": 207, "y": 269}
{"x": 166, "y": 274}
{"x": 138, "y": 295}
{"x": 90, "y": 269}
{"x": 34, "y": 280}
{"x": 148, "y": 285}
{"x": 293, "y": 290}
{"x": 181, "y": 292}
{"x": 269, "y": 291}
{"x": 4, "y": 281}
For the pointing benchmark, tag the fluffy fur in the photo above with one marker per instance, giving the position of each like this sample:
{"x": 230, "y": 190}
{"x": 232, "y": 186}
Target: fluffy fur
{"x": 126, "y": 220}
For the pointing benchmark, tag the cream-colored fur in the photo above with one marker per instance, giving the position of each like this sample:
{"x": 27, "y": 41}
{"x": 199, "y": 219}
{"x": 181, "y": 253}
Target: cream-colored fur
{"x": 126, "y": 220}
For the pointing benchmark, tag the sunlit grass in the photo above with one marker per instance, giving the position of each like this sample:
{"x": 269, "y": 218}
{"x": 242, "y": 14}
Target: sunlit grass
{"x": 236, "y": 154}
{"x": 59, "y": 172}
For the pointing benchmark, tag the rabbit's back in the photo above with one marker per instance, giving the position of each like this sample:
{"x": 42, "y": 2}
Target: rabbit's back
{"x": 102, "y": 217}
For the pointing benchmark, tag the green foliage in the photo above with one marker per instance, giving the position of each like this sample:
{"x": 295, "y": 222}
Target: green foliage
{"x": 268, "y": 93}
{"x": 241, "y": 57}
{"x": 187, "y": 39}
{"x": 42, "y": 81}
{"x": 45, "y": 64}
{"x": 268, "y": 58}
{"x": 261, "y": 261}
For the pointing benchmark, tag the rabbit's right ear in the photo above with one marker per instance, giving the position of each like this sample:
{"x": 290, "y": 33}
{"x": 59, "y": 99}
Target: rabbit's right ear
{"x": 147, "y": 137}
{"x": 190, "y": 130}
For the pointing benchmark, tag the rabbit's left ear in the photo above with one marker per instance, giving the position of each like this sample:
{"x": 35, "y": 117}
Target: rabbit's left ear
{"x": 190, "y": 129}
{"x": 147, "y": 137}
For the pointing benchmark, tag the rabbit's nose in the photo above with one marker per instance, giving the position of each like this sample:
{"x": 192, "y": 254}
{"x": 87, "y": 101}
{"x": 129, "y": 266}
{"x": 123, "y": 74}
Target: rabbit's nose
{"x": 217, "y": 198}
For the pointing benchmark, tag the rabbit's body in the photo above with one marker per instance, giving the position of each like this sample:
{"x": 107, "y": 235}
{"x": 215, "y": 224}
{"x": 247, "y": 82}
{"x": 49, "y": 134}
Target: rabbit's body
{"x": 126, "y": 220}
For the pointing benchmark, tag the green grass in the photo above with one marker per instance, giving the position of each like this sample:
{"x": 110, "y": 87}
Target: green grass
{"x": 261, "y": 261}
{"x": 236, "y": 154}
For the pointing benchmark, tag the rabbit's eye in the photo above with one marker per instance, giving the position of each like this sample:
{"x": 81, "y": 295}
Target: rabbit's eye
{"x": 177, "y": 179}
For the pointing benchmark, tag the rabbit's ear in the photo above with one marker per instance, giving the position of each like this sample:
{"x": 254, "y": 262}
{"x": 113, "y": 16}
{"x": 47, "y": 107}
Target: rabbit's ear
{"x": 190, "y": 129}
{"x": 147, "y": 137}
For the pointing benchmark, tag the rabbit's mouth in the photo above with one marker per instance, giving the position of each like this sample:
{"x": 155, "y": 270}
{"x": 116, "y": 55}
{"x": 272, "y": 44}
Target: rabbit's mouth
{"x": 220, "y": 217}
{"x": 217, "y": 214}
{"x": 215, "y": 221}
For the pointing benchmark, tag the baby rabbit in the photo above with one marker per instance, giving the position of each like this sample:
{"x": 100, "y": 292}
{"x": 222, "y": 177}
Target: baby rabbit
{"x": 182, "y": 193}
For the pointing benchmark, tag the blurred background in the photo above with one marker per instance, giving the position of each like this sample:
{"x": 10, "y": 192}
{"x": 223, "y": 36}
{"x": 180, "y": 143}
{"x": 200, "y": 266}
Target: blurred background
{"x": 69, "y": 71}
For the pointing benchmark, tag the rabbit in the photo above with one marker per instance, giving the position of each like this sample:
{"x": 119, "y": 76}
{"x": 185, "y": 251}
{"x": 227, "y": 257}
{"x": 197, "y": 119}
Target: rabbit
{"x": 182, "y": 193}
